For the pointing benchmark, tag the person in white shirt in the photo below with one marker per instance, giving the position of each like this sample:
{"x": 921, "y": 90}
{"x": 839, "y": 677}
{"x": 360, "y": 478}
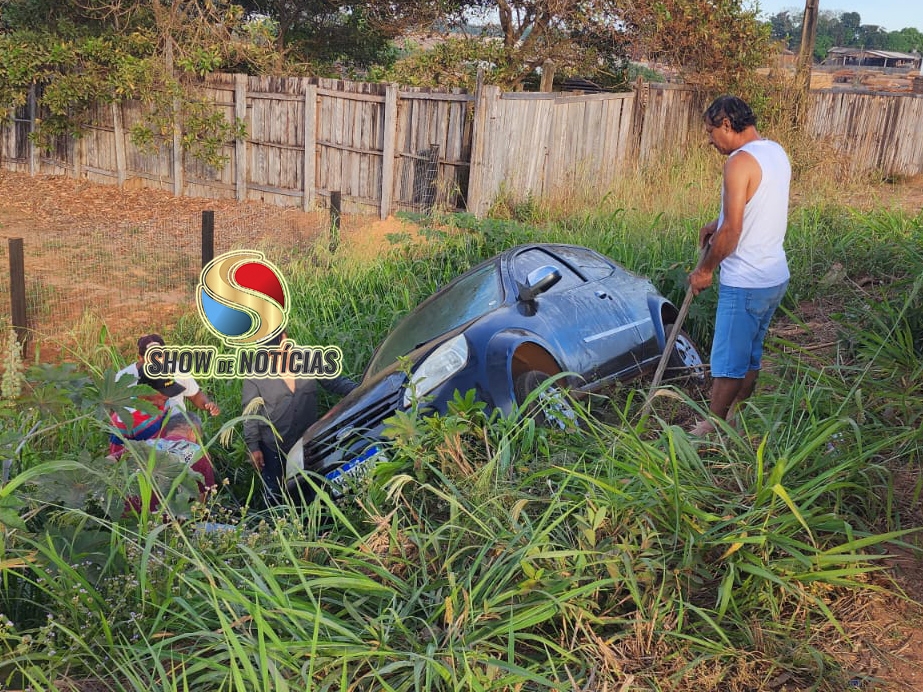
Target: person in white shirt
{"x": 191, "y": 391}
{"x": 746, "y": 241}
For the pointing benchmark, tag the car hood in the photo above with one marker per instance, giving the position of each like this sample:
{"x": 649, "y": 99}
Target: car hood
{"x": 356, "y": 420}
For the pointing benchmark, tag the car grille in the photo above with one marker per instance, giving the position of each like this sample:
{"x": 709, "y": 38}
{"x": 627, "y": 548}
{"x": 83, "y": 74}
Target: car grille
{"x": 334, "y": 444}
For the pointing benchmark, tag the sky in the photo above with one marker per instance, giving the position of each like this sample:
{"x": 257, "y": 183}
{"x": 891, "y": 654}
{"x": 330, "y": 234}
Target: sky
{"x": 893, "y": 15}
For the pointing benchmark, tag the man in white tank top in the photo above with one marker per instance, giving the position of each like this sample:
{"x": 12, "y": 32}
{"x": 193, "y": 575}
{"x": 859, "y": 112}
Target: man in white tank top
{"x": 746, "y": 241}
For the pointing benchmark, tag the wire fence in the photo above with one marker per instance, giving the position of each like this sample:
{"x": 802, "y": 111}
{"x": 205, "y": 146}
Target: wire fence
{"x": 131, "y": 276}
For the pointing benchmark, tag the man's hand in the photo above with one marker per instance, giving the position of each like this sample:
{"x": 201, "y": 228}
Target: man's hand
{"x": 256, "y": 458}
{"x": 700, "y": 279}
{"x": 206, "y": 404}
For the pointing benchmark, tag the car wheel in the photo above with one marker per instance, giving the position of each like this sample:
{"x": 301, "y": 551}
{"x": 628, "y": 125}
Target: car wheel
{"x": 551, "y": 407}
{"x": 686, "y": 361}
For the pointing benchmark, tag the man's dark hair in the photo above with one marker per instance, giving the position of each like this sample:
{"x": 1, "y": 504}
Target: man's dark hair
{"x": 147, "y": 340}
{"x": 735, "y": 109}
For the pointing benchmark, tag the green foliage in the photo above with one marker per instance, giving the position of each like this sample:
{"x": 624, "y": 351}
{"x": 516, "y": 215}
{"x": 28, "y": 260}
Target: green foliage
{"x": 487, "y": 552}
{"x": 78, "y": 70}
{"x": 450, "y": 63}
{"x": 715, "y": 44}
{"x": 843, "y": 29}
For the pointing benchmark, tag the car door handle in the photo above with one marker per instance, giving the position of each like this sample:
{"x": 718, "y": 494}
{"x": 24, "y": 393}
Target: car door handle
{"x": 602, "y": 295}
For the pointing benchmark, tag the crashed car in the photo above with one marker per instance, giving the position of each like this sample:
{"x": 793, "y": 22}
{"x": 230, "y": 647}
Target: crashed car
{"x": 500, "y": 329}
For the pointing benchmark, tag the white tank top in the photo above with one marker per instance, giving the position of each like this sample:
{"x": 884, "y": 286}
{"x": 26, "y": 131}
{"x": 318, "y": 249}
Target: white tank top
{"x": 759, "y": 260}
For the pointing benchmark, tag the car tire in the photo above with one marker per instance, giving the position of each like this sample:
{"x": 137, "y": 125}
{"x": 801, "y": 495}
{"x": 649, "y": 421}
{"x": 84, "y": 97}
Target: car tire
{"x": 551, "y": 408}
{"x": 686, "y": 361}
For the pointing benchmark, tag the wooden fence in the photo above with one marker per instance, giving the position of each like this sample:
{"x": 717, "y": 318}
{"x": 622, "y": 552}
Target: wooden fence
{"x": 874, "y": 131}
{"x": 387, "y": 148}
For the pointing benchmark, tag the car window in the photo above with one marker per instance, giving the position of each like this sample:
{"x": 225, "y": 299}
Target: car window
{"x": 461, "y": 301}
{"x": 533, "y": 258}
{"x": 591, "y": 265}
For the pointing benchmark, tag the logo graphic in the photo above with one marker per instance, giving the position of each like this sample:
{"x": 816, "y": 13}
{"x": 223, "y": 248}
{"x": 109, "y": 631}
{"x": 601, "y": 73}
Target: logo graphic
{"x": 243, "y": 298}
{"x": 244, "y": 301}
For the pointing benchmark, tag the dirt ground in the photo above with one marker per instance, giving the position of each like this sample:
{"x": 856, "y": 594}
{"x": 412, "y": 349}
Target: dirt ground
{"x": 140, "y": 236}
{"x": 137, "y": 253}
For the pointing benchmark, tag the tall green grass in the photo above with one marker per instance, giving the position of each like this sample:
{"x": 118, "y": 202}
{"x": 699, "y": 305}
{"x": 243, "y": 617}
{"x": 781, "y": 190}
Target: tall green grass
{"x": 491, "y": 554}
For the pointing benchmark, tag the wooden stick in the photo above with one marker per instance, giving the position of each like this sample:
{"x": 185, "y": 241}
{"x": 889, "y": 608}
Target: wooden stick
{"x": 671, "y": 342}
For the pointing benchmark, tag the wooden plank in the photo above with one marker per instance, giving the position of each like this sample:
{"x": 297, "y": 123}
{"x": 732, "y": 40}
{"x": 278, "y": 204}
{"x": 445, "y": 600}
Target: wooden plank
{"x": 389, "y": 130}
{"x": 526, "y": 96}
{"x": 240, "y": 144}
{"x": 462, "y": 98}
{"x": 308, "y": 196}
{"x": 345, "y": 95}
{"x": 32, "y": 106}
{"x": 286, "y": 191}
{"x": 179, "y": 171}
{"x": 479, "y": 194}
{"x": 353, "y": 125}
{"x": 369, "y": 180}
{"x": 78, "y": 158}
{"x": 119, "y": 140}
{"x": 274, "y": 96}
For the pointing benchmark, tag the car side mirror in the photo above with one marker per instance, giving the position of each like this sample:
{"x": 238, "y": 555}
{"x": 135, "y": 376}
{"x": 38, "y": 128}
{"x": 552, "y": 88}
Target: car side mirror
{"x": 537, "y": 282}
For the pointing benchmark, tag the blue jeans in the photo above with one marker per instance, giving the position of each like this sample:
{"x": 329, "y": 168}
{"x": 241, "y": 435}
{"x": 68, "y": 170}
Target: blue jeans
{"x": 741, "y": 322}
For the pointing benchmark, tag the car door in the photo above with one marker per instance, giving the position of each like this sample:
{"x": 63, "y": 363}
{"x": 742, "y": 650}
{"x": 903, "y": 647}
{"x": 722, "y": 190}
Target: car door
{"x": 580, "y": 314}
{"x": 620, "y": 304}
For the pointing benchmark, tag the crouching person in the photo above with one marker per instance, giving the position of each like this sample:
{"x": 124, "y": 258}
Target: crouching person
{"x": 180, "y": 440}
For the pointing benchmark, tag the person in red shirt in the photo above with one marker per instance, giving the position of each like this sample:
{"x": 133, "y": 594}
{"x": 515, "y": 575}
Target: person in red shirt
{"x": 142, "y": 425}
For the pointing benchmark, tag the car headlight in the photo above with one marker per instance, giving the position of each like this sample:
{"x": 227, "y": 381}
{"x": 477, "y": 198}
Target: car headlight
{"x": 439, "y": 366}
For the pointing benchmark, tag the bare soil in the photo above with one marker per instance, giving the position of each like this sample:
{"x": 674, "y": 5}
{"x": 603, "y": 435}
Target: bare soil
{"x": 128, "y": 259}
{"x": 145, "y": 234}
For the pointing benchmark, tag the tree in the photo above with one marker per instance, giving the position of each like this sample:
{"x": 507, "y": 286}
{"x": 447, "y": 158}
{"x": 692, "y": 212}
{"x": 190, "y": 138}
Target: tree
{"x": 576, "y": 36}
{"x": 850, "y": 23}
{"x": 352, "y": 34}
{"x": 87, "y": 52}
{"x": 905, "y": 40}
{"x": 783, "y": 28}
{"x": 872, "y": 36}
{"x": 714, "y": 43}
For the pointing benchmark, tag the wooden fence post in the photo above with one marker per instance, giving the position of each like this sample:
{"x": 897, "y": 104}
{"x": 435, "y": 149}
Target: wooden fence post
{"x": 208, "y": 236}
{"x": 18, "y": 288}
{"x": 310, "y": 145}
{"x": 119, "y": 137}
{"x": 479, "y": 194}
{"x": 79, "y": 156}
{"x": 388, "y": 150}
{"x": 240, "y": 145}
{"x": 642, "y": 95}
{"x": 336, "y": 201}
{"x": 33, "y": 115}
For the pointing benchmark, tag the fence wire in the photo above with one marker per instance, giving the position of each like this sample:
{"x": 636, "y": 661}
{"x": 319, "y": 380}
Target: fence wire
{"x": 133, "y": 277}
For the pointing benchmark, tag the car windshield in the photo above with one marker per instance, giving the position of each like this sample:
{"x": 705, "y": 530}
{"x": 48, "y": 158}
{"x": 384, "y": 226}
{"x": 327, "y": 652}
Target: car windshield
{"x": 461, "y": 301}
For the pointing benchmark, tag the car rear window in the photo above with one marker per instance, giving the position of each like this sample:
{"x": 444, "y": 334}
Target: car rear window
{"x": 593, "y": 267}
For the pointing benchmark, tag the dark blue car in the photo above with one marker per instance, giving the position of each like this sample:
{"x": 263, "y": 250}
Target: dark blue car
{"x": 501, "y": 329}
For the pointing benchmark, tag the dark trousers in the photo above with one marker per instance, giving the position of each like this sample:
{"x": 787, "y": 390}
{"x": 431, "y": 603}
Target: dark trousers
{"x": 272, "y": 474}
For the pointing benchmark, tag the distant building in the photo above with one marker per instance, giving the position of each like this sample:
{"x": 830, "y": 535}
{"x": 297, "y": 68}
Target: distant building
{"x": 859, "y": 57}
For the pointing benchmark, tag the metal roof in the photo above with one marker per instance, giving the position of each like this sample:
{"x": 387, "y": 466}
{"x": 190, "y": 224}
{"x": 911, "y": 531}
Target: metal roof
{"x": 890, "y": 54}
